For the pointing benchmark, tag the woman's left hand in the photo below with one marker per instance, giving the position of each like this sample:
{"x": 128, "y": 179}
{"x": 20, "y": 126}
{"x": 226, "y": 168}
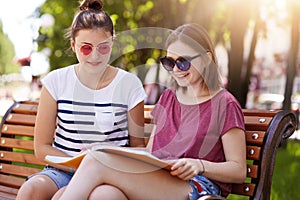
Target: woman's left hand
{"x": 186, "y": 168}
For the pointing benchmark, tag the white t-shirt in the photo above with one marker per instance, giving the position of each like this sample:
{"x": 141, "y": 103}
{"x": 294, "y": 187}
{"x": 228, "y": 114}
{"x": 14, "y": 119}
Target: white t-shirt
{"x": 86, "y": 116}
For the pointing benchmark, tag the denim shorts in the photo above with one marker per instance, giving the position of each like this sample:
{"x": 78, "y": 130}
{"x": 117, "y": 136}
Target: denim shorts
{"x": 59, "y": 177}
{"x": 202, "y": 186}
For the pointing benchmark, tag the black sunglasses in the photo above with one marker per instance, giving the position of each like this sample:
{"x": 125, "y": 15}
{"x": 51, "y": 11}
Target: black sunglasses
{"x": 183, "y": 63}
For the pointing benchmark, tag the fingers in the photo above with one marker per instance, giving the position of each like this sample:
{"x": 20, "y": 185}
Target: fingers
{"x": 184, "y": 169}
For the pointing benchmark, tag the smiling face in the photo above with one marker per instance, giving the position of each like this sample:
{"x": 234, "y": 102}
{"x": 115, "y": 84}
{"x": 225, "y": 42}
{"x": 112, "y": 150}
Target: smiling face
{"x": 89, "y": 47}
{"x": 191, "y": 77}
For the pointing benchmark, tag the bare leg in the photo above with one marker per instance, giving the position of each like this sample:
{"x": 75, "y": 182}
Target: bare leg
{"x": 137, "y": 180}
{"x": 37, "y": 187}
{"x": 59, "y": 193}
{"x": 100, "y": 192}
{"x": 107, "y": 192}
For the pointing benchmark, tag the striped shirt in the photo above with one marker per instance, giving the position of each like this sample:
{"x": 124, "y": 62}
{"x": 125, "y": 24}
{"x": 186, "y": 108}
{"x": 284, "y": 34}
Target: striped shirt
{"x": 85, "y": 116}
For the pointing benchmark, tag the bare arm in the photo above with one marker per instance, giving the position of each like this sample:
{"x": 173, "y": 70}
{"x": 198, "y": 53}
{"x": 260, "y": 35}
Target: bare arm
{"x": 45, "y": 128}
{"x": 231, "y": 171}
{"x": 136, "y": 125}
{"x": 234, "y": 169}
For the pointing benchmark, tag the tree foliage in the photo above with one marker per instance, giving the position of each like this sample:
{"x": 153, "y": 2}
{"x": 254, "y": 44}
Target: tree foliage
{"x": 54, "y": 37}
{"x": 7, "y": 53}
{"x": 227, "y": 22}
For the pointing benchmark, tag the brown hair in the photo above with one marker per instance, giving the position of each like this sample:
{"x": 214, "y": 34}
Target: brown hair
{"x": 91, "y": 16}
{"x": 197, "y": 37}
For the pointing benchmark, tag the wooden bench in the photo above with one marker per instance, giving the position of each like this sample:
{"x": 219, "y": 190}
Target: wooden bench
{"x": 266, "y": 131}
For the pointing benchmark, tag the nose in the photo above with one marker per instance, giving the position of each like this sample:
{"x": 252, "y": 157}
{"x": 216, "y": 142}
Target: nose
{"x": 176, "y": 69}
{"x": 94, "y": 53}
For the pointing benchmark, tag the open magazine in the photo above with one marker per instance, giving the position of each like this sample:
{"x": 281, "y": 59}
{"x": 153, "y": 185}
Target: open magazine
{"x": 122, "y": 151}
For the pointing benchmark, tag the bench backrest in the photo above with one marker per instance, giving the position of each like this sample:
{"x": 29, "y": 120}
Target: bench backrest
{"x": 265, "y": 132}
{"x": 17, "y": 160}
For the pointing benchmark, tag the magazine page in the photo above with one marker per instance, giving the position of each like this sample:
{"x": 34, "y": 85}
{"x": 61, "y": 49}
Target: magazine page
{"x": 73, "y": 162}
{"x": 130, "y": 152}
{"x": 137, "y": 154}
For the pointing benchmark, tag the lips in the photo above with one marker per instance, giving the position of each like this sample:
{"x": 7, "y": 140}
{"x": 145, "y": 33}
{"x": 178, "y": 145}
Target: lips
{"x": 94, "y": 63}
{"x": 181, "y": 75}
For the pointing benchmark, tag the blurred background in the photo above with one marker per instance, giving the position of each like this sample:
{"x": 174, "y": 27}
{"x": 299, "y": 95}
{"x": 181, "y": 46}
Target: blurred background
{"x": 257, "y": 43}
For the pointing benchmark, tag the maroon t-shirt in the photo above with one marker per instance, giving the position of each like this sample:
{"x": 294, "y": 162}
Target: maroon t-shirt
{"x": 195, "y": 131}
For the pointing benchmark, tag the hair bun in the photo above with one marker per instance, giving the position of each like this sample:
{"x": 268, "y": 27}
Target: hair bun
{"x": 96, "y": 5}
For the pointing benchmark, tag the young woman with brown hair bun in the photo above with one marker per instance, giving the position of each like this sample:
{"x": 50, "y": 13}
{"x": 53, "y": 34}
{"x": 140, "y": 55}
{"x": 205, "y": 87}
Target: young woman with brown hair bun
{"x": 85, "y": 103}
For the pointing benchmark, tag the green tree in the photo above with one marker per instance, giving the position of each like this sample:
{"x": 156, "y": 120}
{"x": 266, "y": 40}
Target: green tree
{"x": 7, "y": 54}
{"x": 292, "y": 61}
{"x": 127, "y": 15}
{"x": 54, "y": 37}
{"x": 238, "y": 27}
{"x": 227, "y": 22}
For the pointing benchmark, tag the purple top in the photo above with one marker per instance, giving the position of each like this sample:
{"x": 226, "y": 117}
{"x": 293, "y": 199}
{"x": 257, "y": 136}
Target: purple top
{"x": 195, "y": 131}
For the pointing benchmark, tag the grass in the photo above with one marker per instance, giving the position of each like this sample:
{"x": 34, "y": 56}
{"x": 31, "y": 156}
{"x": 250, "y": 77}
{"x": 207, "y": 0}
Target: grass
{"x": 286, "y": 173}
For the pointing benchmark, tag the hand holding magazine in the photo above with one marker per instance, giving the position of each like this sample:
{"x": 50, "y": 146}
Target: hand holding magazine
{"x": 137, "y": 154}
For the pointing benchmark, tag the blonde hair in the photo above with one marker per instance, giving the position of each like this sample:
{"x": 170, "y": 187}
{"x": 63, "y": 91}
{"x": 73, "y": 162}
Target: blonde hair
{"x": 197, "y": 38}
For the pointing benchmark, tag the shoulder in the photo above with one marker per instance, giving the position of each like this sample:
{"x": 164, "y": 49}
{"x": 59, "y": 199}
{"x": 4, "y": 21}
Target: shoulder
{"x": 225, "y": 96}
{"x": 128, "y": 76}
{"x": 225, "y": 102}
{"x": 58, "y": 75}
{"x": 61, "y": 71}
{"x": 168, "y": 93}
{"x": 167, "y": 98}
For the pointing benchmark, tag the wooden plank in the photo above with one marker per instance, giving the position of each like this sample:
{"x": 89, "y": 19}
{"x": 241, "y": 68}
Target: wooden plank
{"x": 17, "y": 170}
{"x": 261, "y": 113}
{"x": 246, "y": 189}
{"x": 20, "y": 157}
{"x": 25, "y": 108}
{"x": 254, "y": 123}
{"x": 7, "y": 196}
{"x": 148, "y": 107}
{"x": 252, "y": 171}
{"x": 31, "y": 101}
{"x": 11, "y": 181}
{"x": 255, "y": 137}
{"x": 8, "y": 190}
{"x": 21, "y": 119}
{"x": 20, "y": 130}
{"x": 16, "y": 143}
{"x": 253, "y": 152}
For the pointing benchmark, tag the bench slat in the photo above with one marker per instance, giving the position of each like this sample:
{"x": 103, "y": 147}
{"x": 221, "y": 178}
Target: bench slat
{"x": 18, "y": 130}
{"x": 246, "y": 189}
{"x": 261, "y": 113}
{"x": 8, "y": 190}
{"x": 253, "y": 152}
{"x": 255, "y": 137}
{"x": 252, "y": 171}
{"x": 16, "y": 143}
{"x": 25, "y": 108}
{"x": 18, "y": 170}
{"x": 7, "y": 196}
{"x": 21, "y": 119}
{"x": 11, "y": 181}
{"x": 254, "y": 123}
{"x": 20, "y": 157}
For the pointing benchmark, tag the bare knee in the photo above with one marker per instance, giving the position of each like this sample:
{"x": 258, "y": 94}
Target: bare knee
{"x": 107, "y": 192}
{"x": 59, "y": 193}
{"x": 93, "y": 162}
{"x": 38, "y": 187}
